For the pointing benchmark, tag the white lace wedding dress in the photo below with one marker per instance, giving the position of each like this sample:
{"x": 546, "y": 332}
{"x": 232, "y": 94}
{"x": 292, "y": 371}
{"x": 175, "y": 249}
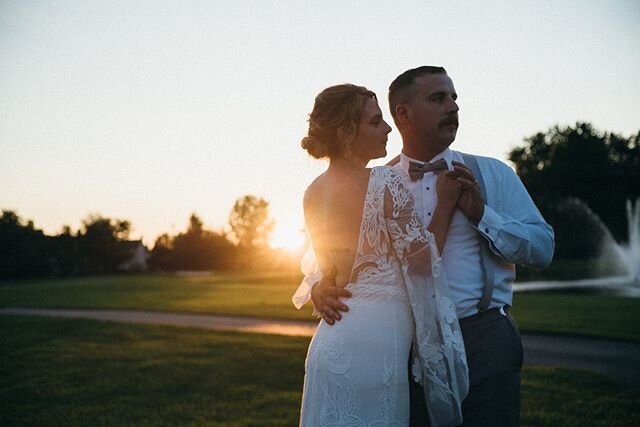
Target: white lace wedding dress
{"x": 356, "y": 370}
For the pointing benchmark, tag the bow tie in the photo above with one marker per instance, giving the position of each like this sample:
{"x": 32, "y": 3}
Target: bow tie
{"x": 417, "y": 170}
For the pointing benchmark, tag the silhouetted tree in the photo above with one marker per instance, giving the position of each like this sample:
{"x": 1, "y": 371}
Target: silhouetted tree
{"x": 195, "y": 249}
{"x": 99, "y": 246}
{"x": 190, "y": 248}
{"x": 564, "y": 164}
{"x": 162, "y": 254}
{"x": 64, "y": 253}
{"x": 250, "y": 222}
{"x": 23, "y": 248}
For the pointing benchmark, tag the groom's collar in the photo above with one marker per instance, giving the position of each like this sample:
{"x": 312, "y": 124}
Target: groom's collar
{"x": 447, "y": 155}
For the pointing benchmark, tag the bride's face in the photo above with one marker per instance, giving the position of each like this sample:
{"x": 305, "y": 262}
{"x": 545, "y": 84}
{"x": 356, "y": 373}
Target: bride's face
{"x": 371, "y": 139}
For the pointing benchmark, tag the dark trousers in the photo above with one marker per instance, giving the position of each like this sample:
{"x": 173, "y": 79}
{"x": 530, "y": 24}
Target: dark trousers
{"x": 494, "y": 355}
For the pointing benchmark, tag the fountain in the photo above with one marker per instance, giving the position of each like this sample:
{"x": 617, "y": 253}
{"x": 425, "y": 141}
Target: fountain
{"x": 626, "y": 256}
{"x": 631, "y": 252}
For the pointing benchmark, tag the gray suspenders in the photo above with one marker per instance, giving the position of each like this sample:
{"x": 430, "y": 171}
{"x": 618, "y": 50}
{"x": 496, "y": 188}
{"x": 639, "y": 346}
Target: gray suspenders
{"x": 485, "y": 252}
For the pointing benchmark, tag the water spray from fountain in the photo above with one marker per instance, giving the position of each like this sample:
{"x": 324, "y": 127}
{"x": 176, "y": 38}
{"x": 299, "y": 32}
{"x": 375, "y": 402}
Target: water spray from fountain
{"x": 631, "y": 251}
{"x": 626, "y": 256}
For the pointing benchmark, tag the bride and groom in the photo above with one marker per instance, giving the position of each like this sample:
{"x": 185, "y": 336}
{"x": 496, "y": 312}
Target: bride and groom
{"x": 423, "y": 253}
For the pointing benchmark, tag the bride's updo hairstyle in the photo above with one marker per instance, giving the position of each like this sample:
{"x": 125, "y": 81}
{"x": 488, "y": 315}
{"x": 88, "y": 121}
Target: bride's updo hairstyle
{"x": 336, "y": 107}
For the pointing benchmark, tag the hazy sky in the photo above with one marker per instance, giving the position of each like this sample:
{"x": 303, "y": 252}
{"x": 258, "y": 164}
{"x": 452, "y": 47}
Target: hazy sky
{"x": 151, "y": 110}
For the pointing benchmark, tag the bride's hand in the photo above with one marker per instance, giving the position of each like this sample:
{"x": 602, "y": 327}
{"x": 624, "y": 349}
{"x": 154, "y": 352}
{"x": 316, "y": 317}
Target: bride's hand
{"x": 470, "y": 202}
{"x": 449, "y": 189}
{"x": 325, "y": 297}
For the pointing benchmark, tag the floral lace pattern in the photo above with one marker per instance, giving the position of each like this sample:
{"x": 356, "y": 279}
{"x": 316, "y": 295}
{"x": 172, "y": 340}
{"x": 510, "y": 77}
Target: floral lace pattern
{"x": 396, "y": 304}
{"x": 440, "y": 361}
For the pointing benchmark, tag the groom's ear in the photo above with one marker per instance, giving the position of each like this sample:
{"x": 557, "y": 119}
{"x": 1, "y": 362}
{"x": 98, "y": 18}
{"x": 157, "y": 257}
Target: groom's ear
{"x": 402, "y": 114}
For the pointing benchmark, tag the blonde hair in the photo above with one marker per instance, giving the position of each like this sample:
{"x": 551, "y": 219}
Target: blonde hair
{"x": 335, "y": 108}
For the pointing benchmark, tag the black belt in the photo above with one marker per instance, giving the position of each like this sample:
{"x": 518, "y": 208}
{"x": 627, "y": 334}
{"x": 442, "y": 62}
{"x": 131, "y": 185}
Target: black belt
{"x": 485, "y": 315}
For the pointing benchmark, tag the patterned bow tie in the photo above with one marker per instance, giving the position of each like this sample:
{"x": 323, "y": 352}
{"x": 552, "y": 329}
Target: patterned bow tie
{"x": 417, "y": 170}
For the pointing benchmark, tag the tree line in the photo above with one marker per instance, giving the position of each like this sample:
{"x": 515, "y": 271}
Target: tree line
{"x": 581, "y": 178}
{"x": 102, "y": 246}
{"x": 97, "y": 248}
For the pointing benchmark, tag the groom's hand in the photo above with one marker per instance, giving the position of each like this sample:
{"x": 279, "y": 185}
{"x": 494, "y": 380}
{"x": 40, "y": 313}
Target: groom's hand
{"x": 325, "y": 298}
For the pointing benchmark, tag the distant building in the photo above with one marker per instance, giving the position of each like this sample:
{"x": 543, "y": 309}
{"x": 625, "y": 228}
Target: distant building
{"x": 139, "y": 256}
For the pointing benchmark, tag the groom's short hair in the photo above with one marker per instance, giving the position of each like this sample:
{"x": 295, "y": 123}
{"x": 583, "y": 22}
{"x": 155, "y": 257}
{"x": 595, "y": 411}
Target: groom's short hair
{"x": 399, "y": 90}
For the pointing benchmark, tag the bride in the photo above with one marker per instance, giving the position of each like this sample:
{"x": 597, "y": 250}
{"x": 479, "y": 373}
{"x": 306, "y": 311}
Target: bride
{"x": 365, "y": 231}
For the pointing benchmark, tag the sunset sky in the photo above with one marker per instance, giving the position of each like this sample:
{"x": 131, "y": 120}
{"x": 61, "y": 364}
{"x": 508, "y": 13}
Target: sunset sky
{"x": 152, "y": 110}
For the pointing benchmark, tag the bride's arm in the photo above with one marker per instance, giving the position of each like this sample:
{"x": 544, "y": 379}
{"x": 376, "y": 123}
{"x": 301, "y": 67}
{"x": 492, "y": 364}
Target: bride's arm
{"x": 448, "y": 189}
{"x": 439, "y": 361}
{"x": 409, "y": 236}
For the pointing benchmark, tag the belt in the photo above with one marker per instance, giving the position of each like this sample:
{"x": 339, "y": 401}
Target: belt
{"x": 485, "y": 315}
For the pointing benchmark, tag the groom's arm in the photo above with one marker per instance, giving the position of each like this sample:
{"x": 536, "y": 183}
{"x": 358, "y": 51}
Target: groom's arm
{"x": 325, "y": 296}
{"x": 518, "y": 233}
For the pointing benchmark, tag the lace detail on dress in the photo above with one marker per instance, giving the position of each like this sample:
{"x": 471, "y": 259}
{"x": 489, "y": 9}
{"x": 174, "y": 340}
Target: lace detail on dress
{"x": 339, "y": 400}
{"x": 367, "y": 291}
{"x": 372, "y": 260}
{"x": 396, "y": 262}
{"x": 375, "y": 260}
{"x": 440, "y": 364}
{"x": 339, "y": 405}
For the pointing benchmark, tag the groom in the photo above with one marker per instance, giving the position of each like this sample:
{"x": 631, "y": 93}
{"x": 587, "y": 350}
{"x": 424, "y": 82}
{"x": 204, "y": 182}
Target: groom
{"x": 495, "y": 226}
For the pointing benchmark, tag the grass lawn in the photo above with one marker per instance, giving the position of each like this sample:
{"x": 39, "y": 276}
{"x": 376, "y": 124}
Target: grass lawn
{"x": 82, "y": 372}
{"x": 578, "y": 314}
{"x": 270, "y": 297}
{"x": 89, "y": 373}
{"x": 234, "y": 295}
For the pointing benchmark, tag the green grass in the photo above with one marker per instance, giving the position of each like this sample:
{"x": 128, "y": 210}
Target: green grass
{"x": 80, "y": 373}
{"x": 77, "y": 373}
{"x": 565, "y": 397}
{"x": 567, "y": 269}
{"x": 578, "y": 314}
{"x": 270, "y": 297}
{"x": 233, "y": 295}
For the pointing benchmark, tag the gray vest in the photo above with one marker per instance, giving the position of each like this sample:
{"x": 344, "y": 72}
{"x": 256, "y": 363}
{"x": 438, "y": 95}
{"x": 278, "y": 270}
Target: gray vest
{"x": 485, "y": 253}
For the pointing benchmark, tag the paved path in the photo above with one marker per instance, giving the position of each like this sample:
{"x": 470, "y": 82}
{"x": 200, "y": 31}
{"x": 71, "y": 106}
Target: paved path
{"x": 221, "y": 323}
{"x": 616, "y": 359}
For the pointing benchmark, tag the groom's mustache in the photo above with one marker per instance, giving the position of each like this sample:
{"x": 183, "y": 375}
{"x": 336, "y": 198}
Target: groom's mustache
{"x": 449, "y": 120}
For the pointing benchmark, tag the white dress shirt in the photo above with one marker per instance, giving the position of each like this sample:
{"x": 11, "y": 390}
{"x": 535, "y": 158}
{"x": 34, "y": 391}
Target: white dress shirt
{"x": 516, "y": 231}
{"x": 511, "y": 224}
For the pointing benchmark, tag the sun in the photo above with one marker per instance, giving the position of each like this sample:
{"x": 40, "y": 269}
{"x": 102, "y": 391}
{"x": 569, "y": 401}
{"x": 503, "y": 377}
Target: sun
{"x": 287, "y": 236}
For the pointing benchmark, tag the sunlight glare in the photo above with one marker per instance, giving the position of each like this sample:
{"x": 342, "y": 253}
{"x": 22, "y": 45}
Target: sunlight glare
{"x": 287, "y": 237}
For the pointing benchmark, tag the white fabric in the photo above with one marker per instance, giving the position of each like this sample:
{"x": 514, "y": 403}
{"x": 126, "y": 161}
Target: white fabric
{"x": 462, "y": 245}
{"x": 312, "y": 275}
{"x": 356, "y": 370}
{"x": 512, "y": 224}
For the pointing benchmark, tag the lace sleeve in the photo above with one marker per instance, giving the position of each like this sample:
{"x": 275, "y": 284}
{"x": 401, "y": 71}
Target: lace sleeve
{"x": 409, "y": 238}
{"x": 439, "y": 363}
{"x": 312, "y": 275}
